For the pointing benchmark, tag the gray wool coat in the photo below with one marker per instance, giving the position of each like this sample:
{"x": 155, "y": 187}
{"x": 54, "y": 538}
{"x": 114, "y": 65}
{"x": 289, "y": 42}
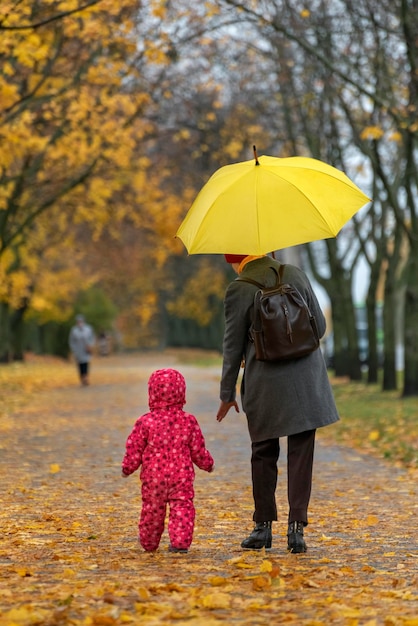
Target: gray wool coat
{"x": 81, "y": 340}
{"x": 281, "y": 398}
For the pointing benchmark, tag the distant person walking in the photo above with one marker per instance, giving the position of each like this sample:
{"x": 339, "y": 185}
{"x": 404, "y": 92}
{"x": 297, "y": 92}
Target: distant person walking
{"x": 81, "y": 343}
{"x": 166, "y": 442}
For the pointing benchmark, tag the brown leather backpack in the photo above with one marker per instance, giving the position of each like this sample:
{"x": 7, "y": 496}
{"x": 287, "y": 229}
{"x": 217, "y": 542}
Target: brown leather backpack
{"x": 283, "y": 326}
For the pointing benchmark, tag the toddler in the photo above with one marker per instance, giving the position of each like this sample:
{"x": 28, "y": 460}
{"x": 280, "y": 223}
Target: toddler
{"x": 166, "y": 442}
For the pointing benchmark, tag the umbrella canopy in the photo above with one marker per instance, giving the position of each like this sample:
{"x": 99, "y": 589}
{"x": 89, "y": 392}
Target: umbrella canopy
{"x": 262, "y": 205}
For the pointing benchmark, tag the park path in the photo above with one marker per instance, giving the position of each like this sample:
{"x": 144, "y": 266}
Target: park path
{"x": 69, "y": 553}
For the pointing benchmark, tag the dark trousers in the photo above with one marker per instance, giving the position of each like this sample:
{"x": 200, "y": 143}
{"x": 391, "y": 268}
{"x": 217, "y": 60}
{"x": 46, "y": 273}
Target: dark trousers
{"x": 83, "y": 369}
{"x": 265, "y": 454}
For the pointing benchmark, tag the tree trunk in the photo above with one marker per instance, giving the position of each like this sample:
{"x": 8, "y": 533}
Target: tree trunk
{"x": 372, "y": 359}
{"x": 338, "y": 287}
{"x": 347, "y": 362}
{"x": 389, "y": 367}
{"x": 410, "y": 387}
{"x": 354, "y": 366}
{"x": 372, "y": 304}
{"x": 392, "y": 302}
{"x": 6, "y": 353}
{"x": 346, "y": 356}
{"x": 17, "y": 326}
{"x": 340, "y": 342}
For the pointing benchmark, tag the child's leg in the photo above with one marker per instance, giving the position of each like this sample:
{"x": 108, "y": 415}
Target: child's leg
{"x": 151, "y": 521}
{"x": 181, "y": 522}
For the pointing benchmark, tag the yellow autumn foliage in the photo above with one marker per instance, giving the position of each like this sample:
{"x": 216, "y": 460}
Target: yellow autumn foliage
{"x": 216, "y": 600}
{"x": 207, "y": 282}
{"x": 372, "y": 132}
{"x": 64, "y": 112}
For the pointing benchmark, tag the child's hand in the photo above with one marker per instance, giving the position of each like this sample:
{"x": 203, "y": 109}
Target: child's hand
{"x": 211, "y": 469}
{"x": 124, "y": 475}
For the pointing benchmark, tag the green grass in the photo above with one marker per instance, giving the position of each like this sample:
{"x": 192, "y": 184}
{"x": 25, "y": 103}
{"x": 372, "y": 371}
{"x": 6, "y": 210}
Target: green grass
{"x": 377, "y": 422}
{"x": 200, "y": 358}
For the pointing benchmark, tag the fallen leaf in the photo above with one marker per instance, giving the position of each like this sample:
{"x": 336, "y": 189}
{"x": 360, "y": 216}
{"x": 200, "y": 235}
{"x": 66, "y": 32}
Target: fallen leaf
{"x": 261, "y": 583}
{"x": 217, "y": 581}
{"x": 217, "y": 600}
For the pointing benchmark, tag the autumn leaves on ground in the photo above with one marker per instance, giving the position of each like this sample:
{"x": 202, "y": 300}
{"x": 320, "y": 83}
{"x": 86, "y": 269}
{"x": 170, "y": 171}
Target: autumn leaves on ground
{"x": 69, "y": 553}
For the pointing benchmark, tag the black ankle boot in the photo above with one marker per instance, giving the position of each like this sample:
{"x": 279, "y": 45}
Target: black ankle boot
{"x": 260, "y": 537}
{"x": 295, "y": 541}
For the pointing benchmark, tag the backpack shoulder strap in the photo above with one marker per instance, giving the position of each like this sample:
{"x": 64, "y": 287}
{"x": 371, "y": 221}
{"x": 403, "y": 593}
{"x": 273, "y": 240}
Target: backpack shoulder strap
{"x": 250, "y": 280}
{"x": 260, "y": 285}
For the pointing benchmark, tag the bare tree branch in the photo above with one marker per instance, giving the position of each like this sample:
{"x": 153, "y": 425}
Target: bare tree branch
{"x": 48, "y": 20}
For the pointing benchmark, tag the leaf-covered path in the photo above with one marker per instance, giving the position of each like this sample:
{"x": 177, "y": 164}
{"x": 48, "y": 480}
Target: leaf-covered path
{"x": 69, "y": 553}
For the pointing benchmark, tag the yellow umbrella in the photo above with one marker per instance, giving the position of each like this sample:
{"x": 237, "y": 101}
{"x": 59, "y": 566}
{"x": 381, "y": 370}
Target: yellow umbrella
{"x": 262, "y": 205}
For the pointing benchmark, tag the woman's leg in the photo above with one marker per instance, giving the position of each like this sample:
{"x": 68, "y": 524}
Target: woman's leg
{"x": 265, "y": 455}
{"x": 300, "y": 454}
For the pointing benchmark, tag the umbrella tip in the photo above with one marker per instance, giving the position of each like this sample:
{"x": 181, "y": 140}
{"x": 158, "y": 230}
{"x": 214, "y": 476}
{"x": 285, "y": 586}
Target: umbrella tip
{"x": 255, "y": 155}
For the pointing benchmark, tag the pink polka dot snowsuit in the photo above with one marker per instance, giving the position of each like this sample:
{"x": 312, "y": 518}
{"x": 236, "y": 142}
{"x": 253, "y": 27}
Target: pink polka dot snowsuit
{"x": 166, "y": 442}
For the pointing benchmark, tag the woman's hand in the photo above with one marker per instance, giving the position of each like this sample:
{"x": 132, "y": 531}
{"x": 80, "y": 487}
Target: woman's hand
{"x": 224, "y": 408}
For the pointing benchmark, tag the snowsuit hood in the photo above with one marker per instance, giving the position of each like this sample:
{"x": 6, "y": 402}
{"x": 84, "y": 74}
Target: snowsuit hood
{"x": 166, "y": 389}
